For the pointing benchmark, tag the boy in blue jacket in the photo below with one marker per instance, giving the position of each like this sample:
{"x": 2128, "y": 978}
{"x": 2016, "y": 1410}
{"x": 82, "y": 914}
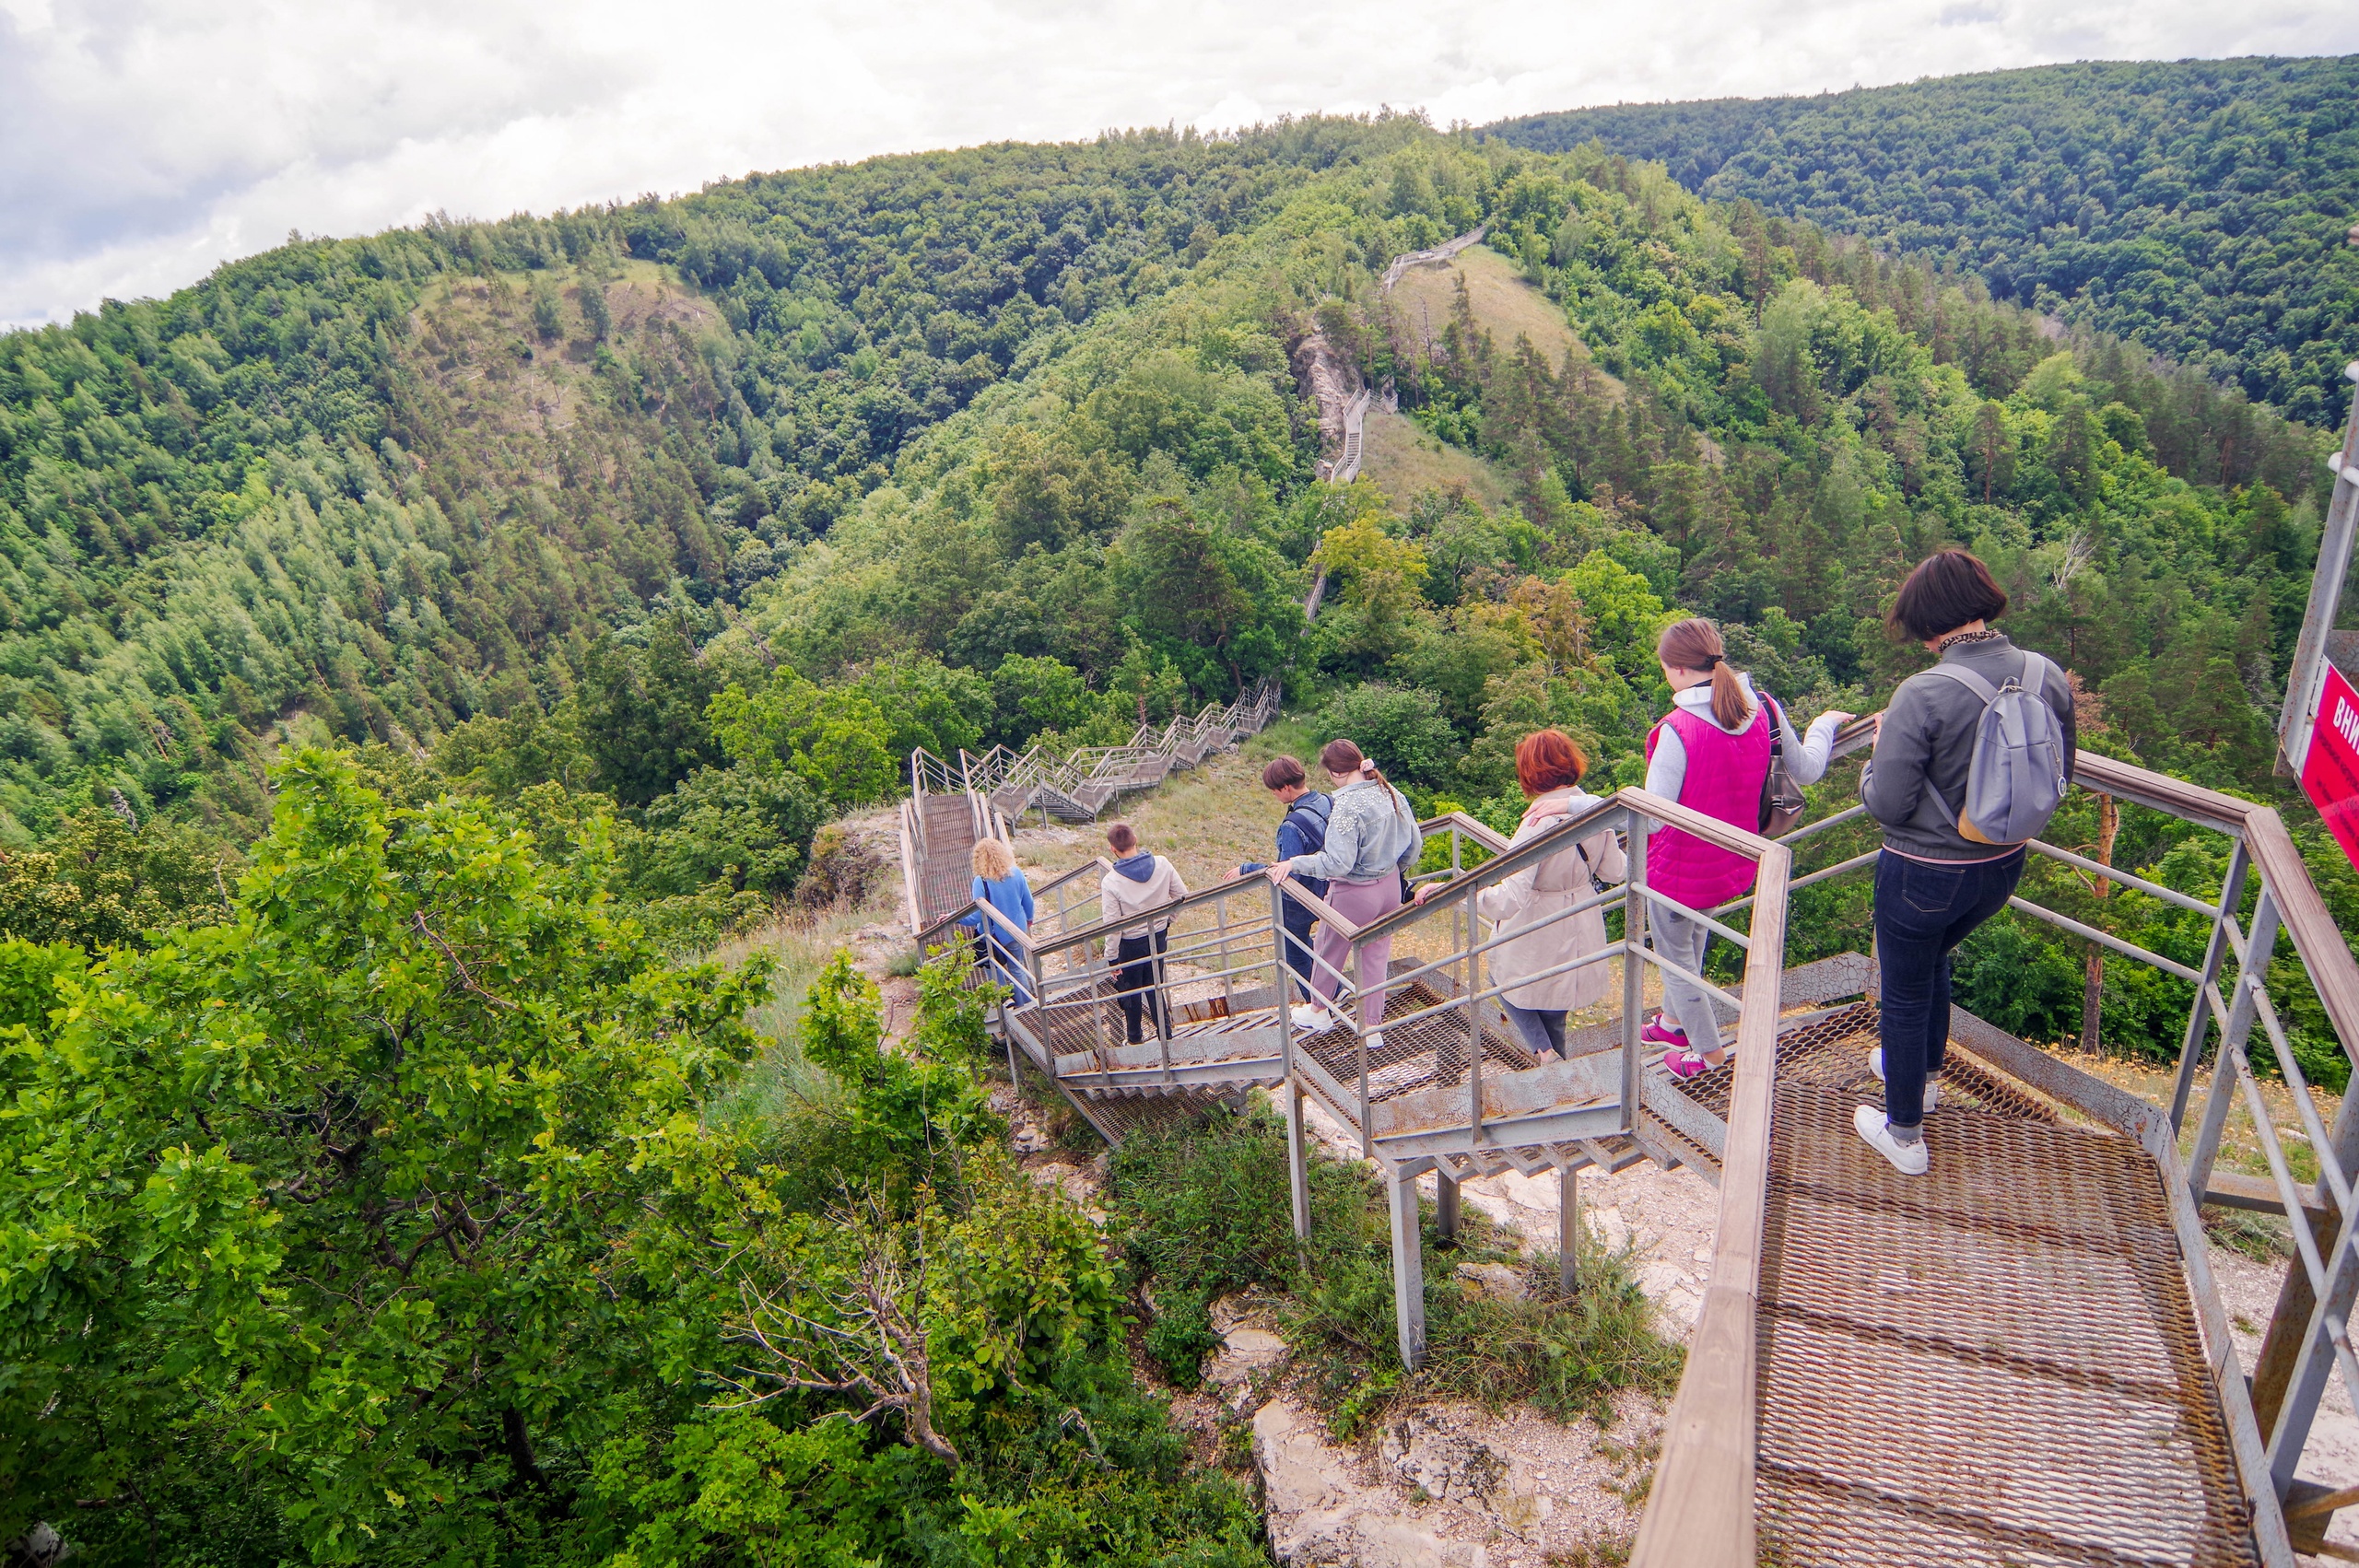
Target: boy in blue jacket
{"x": 1302, "y": 831}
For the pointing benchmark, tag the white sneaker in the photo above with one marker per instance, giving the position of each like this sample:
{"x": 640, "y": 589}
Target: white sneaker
{"x": 1932, "y": 1088}
{"x": 1310, "y": 1020}
{"x": 1376, "y": 1040}
{"x": 1908, "y": 1159}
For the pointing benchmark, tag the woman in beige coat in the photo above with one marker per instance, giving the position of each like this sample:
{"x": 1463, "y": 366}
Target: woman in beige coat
{"x": 1550, "y": 768}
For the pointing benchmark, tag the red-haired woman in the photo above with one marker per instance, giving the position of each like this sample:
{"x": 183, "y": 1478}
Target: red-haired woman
{"x": 1550, "y": 768}
{"x": 1711, "y": 755}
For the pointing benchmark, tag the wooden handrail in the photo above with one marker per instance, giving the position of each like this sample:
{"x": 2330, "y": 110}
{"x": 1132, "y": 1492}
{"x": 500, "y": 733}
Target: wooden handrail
{"x": 1688, "y": 820}
{"x": 2177, "y": 797}
{"x": 1483, "y": 833}
{"x": 1709, "y": 1436}
{"x": 1508, "y": 860}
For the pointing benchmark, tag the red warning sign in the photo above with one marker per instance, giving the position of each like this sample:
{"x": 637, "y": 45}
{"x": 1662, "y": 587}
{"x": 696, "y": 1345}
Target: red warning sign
{"x": 2331, "y": 773}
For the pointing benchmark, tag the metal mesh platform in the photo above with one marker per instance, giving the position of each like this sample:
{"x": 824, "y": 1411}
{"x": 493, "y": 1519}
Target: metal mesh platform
{"x": 946, "y": 868}
{"x": 1428, "y": 1054}
{"x": 1833, "y": 1051}
{"x": 1997, "y": 1363}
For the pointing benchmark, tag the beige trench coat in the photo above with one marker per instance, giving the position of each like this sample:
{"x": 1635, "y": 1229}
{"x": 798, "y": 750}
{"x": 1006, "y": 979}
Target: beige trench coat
{"x": 1528, "y": 898}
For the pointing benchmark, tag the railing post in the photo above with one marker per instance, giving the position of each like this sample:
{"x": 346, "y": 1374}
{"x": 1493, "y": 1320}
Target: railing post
{"x": 1282, "y": 988}
{"x": 1159, "y": 1000}
{"x": 2259, "y": 943}
{"x": 1227, "y": 980}
{"x": 1462, "y": 919}
{"x": 1358, "y": 957}
{"x": 2190, "y": 1049}
{"x": 1633, "y": 936}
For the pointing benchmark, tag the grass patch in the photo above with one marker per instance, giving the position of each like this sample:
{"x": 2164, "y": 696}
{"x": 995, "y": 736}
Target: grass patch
{"x": 2264, "y": 1238}
{"x": 779, "y": 1082}
{"x": 1203, "y": 1212}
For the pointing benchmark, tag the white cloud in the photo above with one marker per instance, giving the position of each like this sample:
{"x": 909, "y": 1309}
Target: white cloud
{"x": 142, "y": 141}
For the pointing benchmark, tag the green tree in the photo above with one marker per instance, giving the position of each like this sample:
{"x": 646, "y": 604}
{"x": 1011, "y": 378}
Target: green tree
{"x": 102, "y": 883}
{"x": 345, "y": 1187}
{"x": 1401, "y": 728}
{"x": 833, "y": 738}
{"x": 642, "y": 711}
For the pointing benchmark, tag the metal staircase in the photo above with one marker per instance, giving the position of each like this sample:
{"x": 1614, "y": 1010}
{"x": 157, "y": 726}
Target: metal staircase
{"x": 1079, "y": 785}
{"x": 2019, "y": 1358}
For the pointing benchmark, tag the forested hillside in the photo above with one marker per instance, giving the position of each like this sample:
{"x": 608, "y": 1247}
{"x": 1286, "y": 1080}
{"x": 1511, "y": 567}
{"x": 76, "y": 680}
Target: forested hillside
{"x": 2197, "y": 207}
{"x": 373, "y": 1181}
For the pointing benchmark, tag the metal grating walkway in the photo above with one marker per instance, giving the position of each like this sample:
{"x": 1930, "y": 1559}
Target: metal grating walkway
{"x": 1997, "y": 1363}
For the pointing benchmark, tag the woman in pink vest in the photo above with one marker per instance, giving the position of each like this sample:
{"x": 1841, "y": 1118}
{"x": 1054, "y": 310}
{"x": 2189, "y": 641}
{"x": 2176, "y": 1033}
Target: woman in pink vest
{"x": 1711, "y": 755}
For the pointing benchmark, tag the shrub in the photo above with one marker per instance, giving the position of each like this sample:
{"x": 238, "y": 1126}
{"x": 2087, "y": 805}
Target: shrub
{"x": 1400, "y": 727}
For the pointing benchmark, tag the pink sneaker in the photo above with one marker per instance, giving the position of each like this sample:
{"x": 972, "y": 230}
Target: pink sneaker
{"x": 1685, "y": 1064}
{"x": 1654, "y": 1033}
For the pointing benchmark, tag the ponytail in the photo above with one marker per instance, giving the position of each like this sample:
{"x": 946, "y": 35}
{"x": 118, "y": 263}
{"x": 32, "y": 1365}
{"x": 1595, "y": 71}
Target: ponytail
{"x": 1694, "y": 644}
{"x": 1728, "y": 703}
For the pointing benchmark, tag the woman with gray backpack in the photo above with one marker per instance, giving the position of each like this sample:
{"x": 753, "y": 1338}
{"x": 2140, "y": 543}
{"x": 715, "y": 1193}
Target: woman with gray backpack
{"x": 1972, "y": 757}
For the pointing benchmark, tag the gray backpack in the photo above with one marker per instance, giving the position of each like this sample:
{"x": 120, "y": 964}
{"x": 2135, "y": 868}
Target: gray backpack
{"x": 2017, "y": 777}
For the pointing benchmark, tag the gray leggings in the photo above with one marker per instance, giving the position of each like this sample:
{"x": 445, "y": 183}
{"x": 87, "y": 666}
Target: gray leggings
{"x": 1682, "y": 940}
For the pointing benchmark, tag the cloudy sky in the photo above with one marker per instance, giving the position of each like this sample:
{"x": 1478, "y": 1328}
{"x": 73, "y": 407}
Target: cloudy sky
{"x": 142, "y": 142}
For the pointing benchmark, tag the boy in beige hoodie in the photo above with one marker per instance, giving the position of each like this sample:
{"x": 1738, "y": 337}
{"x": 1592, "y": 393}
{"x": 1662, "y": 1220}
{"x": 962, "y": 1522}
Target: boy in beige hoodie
{"x": 1139, "y": 882}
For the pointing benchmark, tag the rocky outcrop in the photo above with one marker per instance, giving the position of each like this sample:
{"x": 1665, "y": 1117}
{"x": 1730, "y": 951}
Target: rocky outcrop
{"x": 1332, "y": 382}
{"x": 1443, "y": 1485}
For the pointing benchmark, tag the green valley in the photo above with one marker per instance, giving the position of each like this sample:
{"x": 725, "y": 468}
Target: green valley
{"x": 436, "y": 669}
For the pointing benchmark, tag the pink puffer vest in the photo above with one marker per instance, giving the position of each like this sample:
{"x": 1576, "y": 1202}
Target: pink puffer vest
{"x": 1725, "y": 774}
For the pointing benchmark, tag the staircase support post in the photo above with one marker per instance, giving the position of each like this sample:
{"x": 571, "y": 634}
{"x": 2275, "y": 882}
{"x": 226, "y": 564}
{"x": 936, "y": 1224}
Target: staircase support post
{"x": 1298, "y": 1171}
{"x": 1408, "y": 1273}
{"x": 1444, "y": 1208}
{"x": 1568, "y": 1227}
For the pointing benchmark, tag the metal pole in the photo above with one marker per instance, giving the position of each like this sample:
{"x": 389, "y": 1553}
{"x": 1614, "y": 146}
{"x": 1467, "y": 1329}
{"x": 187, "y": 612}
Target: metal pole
{"x": 2325, "y": 594}
{"x": 1359, "y": 1034}
{"x": 1282, "y": 989}
{"x": 1408, "y": 1272}
{"x": 1568, "y": 1227}
{"x": 2259, "y": 944}
{"x": 1444, "y": 1208}
{"x": 1155, "y": 997}
{"x": 1227, "y": 980}
{"x": 1298, "y": 1169}
{"x": 1463, "y": 918}
{"x": 2190, "y": 1049}
{"x": 1633, "y": 936}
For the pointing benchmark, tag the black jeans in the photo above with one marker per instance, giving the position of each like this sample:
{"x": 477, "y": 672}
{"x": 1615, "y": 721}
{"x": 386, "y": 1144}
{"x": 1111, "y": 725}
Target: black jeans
{"x": 1297, "y": 921}
{"x": 1134, "y": 981}
{"x": 1923, "y": 911}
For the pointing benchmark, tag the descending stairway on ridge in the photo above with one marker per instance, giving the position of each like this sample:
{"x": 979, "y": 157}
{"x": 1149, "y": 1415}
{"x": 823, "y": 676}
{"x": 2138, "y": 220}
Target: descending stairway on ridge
{"x": 951, "y": 806}
{"x": 1346, "y": 465}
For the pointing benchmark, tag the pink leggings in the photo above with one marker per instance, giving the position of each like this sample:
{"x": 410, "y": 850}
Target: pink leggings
{"x": 1360, "y": 903}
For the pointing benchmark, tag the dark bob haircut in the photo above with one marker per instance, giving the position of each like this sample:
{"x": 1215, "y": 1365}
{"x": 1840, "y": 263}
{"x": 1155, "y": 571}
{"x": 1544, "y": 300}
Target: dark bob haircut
{"x": 1281, "y": 772}
{"x": 1944, "y": 593}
